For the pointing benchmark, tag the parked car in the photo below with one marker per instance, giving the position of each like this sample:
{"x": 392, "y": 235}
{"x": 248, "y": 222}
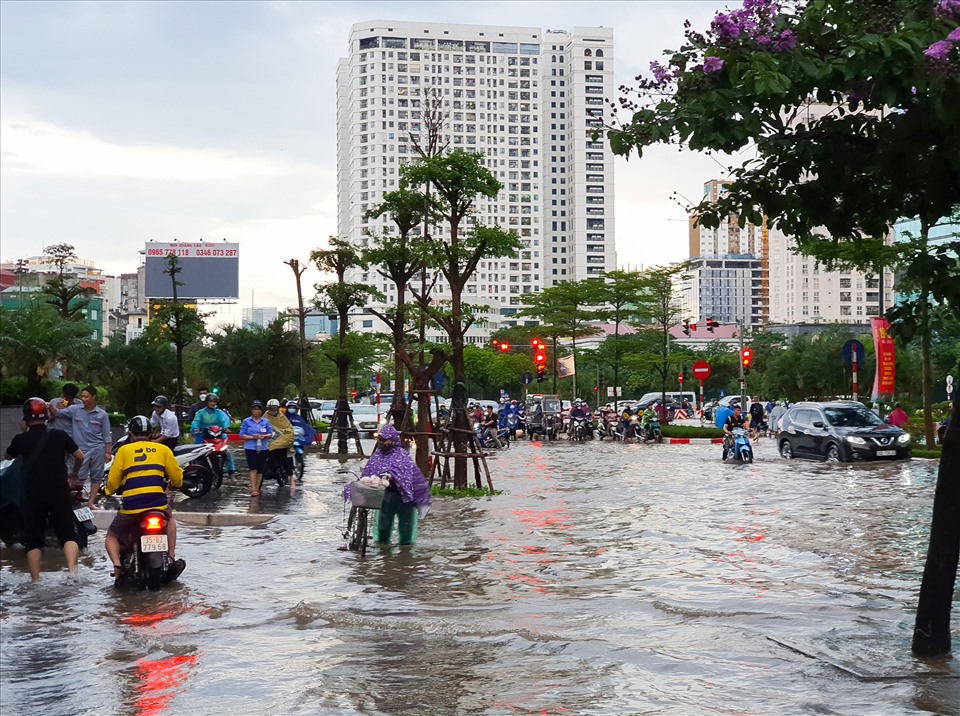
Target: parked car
{"x": 840, "y": 431}
{"x": 325, "y": 411}
{"x": 368, "y": 418}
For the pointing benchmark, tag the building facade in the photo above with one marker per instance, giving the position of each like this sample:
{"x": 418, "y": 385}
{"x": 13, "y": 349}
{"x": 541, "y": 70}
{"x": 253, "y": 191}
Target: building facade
{"x": 258, "y": 316}
{"x": 529, "y": 101}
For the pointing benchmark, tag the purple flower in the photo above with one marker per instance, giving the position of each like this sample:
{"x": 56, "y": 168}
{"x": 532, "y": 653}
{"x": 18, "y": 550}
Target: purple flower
{"x": 725, "y": 27}
{"x": 938, "y": 51}
{"x": 661, "y": 73}
{"x": 764, "y": 40}
{"x": 786, "y": 41}
{"x": 955, "y": 35}
{"x": 712, "y": 64}
{"x": 949, "y": 9}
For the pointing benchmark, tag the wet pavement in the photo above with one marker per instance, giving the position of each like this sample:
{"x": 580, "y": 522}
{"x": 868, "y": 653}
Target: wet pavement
{"x": 606, "y": 579}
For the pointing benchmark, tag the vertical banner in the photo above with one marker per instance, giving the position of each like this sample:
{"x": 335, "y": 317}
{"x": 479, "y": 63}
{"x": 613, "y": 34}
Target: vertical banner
{"x": 884, "y": 381}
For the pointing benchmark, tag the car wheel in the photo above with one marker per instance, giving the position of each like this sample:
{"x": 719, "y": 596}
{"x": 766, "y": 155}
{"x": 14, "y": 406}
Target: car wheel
{"x": 833, "y": 454}
{"x": 786, "y": 450}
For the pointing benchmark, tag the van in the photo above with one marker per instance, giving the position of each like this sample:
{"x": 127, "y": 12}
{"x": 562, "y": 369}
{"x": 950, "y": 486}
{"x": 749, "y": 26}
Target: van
{"x": 674, "y": 398}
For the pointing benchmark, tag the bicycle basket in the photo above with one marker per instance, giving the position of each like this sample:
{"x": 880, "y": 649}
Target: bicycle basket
{"x": 365, "y": 496}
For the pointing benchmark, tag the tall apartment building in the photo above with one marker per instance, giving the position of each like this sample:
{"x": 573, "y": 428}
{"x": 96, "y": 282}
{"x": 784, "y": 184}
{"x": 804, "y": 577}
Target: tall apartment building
{"x": 258, "y": 316}
{"x": 529, "y": 101}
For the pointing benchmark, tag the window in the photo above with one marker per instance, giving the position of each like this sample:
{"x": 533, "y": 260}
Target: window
{"x": 368, "y": 324}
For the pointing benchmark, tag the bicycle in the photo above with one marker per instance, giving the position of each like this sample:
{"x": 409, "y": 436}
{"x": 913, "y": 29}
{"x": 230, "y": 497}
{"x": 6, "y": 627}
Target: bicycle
{"x": 364, "y": 499}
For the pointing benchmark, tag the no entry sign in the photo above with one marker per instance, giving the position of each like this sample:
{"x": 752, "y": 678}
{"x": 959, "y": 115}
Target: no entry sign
{"x": 701, "y": 370}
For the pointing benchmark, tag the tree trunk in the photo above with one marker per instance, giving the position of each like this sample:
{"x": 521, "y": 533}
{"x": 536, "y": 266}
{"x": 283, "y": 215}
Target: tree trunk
{"x": 343, "y": 405}
{"x": 398, "y": 407}
{"x": 931, "y": 634}
{"x": 460, "y": 422}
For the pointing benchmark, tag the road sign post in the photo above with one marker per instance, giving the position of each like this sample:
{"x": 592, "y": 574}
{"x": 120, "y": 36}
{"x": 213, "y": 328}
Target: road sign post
{"x": 853, "y": 354}
{"x": 701, "y": 371}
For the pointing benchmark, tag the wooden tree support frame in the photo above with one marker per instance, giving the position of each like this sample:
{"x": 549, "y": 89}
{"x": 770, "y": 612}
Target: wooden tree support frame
{"x": 351, "y": 431}
{"x": 445, "y": 450}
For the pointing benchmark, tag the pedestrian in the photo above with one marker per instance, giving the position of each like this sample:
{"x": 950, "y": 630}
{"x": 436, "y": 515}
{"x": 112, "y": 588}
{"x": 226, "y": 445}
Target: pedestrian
{"x": 407, "y": 497}
{"x": 68, "y": 397}
{"x": 91, "y": 431}
{"x": 256, "y": 432}
{"x": 165, "y": 419}
{"x": 46, "y": 491}
{"x": 199, "y": 405}
{"x": 898, "y": 416}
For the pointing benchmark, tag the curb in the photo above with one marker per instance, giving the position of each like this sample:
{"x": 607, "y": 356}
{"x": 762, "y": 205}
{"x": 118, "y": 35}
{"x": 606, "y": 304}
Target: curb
{"x": 695, "y": 441}
{"x": 103, "y": 518}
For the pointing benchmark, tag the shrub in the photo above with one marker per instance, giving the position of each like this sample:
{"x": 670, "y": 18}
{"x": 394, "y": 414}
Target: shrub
{"x": 685, "y": 431}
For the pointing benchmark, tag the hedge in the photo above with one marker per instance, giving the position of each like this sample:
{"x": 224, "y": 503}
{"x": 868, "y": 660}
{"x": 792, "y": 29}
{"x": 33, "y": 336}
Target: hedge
{"x": 685, "y": 431}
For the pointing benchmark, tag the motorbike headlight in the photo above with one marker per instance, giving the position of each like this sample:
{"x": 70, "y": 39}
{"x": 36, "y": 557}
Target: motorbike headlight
{"x": 903, "y": 439}
{"x": 853, "y": 439}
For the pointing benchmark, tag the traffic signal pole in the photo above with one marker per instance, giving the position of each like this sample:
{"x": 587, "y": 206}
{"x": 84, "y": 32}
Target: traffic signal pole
{"x": 743, "y": 378}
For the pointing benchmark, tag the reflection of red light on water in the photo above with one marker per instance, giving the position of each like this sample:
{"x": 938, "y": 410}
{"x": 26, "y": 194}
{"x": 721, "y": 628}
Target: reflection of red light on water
{"x": 545, "y": 518}
{"x": 146, "y": 619}
{"x": 158, "y": 681}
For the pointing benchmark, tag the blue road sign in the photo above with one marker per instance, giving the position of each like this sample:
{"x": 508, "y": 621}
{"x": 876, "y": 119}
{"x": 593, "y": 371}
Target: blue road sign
{"x": 849, "y": 347}
{"x": 526, "y": 378}
{"x": 438, "y": 380}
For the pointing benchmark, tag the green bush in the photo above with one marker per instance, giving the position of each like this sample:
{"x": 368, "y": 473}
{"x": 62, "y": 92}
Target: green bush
{"x": 684, "y": 431}
{"x": 933, "y": 452}
{"x": 117, "y": 420}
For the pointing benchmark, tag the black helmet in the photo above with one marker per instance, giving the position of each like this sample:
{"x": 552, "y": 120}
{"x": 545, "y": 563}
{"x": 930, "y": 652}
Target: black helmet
{"x": 160, "y": 401}
{"x": 35, "y": 409}
{"x": 256, "y": 404}
{"x": 138, "y": 425}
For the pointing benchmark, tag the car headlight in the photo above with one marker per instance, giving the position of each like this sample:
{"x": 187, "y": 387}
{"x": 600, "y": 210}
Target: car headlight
{"x": 905, "y": 438}
{"x": 853, "y": 439}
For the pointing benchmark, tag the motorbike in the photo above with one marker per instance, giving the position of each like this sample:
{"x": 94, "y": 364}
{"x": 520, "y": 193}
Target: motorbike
{"x": 741, "y": 448}
{"x": 198, "y": 471}
{"x": 215, "y": 436}
{"x": 629, "y": 425}
{"x": 144, "y": 557}
{"x": 11, "y": 516}
{"x": 512, "y": 423}
{"x": 503, "y": 437}
{"x": 299, "y": 455}
{"x": 652, "y": 432}
{"x": 607, "y": 425}
{"x": 581, "y": 427}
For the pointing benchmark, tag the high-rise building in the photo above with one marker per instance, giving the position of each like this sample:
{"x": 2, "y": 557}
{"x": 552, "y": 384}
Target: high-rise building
{"x": 529, "y": 101}
{"x": 258, "y": 316}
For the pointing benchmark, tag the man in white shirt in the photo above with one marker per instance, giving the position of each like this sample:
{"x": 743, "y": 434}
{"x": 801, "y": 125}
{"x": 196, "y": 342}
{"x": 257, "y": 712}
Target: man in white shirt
{"x": 166, "y": 420}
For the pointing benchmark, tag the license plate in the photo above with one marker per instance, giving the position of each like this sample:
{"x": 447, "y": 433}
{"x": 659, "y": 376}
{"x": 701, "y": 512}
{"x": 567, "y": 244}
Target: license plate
{"x": 153, "y": 543}
{"x": 83, "y": 514}
{"x": 886, "y": 453}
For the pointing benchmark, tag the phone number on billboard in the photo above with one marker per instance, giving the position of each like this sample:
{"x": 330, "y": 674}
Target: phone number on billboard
{"x": 191, "y": 252}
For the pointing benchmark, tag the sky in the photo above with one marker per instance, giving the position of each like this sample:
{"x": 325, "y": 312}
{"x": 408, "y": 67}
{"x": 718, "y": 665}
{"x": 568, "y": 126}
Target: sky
{"x": 125, "y": 122}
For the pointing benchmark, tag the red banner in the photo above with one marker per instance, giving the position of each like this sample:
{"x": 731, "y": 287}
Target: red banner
{"x": 884, "y": 380}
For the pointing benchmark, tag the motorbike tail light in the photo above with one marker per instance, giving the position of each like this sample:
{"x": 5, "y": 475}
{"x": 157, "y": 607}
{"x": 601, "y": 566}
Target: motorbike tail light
{"x": 154, "y": 523}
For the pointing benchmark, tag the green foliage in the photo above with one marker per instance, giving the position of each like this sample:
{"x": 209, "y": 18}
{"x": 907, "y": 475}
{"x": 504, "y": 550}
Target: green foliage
{"x": 35, "y": 338}
{"x": 252, "y": 363}
{"x": 488, "y": 371}
{"x": 133, "y": 373}
{"x": 437, "y": 491}
{"x": 64, "y": 291}
{"x": 685, "y": 431}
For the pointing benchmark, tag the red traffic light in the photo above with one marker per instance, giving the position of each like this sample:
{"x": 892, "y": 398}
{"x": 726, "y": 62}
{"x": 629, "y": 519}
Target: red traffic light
{"x": 494, "y": 343}
{"x": 540, "y": 358}
{"x": 536, "y": 343}
{"x": 504, "y": 347}
{"x": 746, "y": 355}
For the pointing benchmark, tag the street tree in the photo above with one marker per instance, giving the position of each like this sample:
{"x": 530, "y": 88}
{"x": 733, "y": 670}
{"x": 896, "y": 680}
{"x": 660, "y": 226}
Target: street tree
{"x": 451, "y": 182}
{"x": 852, "y": 111}
{"x": 618, "y": 301}
{"x": 174, "y": 322}
{"x": 340, "y": 297}
{"x": 301, "y": 315}
{"x": 64, "y": 291}
{"x": 660, "y": 312}
{"x": 133, "y": 373}
{"x": 35, "y": 338}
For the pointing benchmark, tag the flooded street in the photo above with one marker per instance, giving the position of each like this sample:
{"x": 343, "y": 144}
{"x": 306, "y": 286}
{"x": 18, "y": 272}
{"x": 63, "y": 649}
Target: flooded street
{"x": 606, "y": 579}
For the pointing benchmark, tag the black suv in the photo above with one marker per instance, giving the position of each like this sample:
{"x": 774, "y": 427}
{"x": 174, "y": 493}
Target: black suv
{"x": 840, "y": 431}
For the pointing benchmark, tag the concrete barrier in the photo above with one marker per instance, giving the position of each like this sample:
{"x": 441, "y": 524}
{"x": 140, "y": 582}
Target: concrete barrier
{"x": 103, "y": 518}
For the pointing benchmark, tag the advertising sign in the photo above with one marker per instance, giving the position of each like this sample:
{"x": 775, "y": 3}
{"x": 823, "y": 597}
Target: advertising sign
{"x": 208, "y": 270}
{"x": 884, "y": 381}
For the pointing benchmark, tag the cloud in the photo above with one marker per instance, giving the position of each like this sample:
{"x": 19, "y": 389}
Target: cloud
{"x": 36, "y": 146}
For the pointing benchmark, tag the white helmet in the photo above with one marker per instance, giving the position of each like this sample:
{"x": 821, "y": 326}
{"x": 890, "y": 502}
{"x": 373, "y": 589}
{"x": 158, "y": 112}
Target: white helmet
{"x": 273, "y": 403}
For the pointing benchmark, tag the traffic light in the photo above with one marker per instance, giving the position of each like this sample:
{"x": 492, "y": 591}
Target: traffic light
{"x": 686, "y": 327}
{"x": 540, "y": 359}
{"x": 495, "y": 343}
{"x": 541, "y": 370}
{"x": 215, "y": 390}
{"x": 504, "y": 346}
{"x": 711, "y": 324}
{"x": 536, "y": 343}
{"x": 746, "y": 357}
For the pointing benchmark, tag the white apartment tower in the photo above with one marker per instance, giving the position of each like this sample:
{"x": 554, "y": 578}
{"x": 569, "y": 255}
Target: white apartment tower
{"x": 529, "y": 101}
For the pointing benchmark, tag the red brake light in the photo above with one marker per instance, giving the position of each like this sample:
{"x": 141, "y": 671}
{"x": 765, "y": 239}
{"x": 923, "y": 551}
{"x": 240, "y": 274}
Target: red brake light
{"x": 153, "y": 523}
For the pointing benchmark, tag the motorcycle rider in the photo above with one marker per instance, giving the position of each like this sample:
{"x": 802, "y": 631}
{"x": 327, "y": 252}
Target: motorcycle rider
{"x": 578, "y": 410}
{"x": 209, "y": 416}
{"x": 45, "y": 488}
{"x": 309, "y": 434}
{"x": 142, "y": 470}
{"x": 284, "y": 439}
{"x": 166, "y": 420}
{"x": 757, "y": 414}
{"x": 649, "y": 415}
{"x": 736, "y": 420}
{"x": 488, "y": 428}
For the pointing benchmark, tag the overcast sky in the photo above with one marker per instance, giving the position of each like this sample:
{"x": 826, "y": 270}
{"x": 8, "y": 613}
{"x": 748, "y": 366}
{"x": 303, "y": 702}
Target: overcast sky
{"x": 129, "y": 122}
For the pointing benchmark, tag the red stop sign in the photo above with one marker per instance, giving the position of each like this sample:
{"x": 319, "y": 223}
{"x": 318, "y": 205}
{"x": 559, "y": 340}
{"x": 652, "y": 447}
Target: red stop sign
{"x": 701, "y": 370}
{"x": 353, "y": 393}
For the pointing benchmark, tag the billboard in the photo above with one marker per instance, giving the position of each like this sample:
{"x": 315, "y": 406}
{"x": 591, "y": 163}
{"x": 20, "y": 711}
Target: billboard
{"x": 208, "y": 270}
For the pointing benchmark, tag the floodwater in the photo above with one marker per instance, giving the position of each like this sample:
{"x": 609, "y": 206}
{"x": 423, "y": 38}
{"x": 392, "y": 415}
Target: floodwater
{"x": 606, "y": 579}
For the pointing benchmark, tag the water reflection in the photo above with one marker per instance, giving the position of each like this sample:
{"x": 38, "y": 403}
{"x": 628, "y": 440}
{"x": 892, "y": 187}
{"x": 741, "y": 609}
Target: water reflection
{"x": 606, "y": 579}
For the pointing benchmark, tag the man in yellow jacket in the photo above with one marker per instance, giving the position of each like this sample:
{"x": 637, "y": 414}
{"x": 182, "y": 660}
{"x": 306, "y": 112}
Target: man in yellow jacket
{"x": 280, "y": 445}
{"x": 141, "y": 471}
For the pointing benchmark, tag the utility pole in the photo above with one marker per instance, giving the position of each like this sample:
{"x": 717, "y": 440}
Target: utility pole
{"x": 743, "y": 379}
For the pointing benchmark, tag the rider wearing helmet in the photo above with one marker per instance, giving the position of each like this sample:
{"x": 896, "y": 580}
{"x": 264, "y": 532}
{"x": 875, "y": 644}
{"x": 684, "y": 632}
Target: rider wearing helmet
{"x": 308, "y": 433}
{"x": 46, "y": 492}
{"x": 166, "y": 421}
{"x": 142, "y": 470}
{"x": 212, "y": 415}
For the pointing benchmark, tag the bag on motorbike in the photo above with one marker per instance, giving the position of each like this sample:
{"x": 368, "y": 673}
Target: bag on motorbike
{"x": 12, "y": 475}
